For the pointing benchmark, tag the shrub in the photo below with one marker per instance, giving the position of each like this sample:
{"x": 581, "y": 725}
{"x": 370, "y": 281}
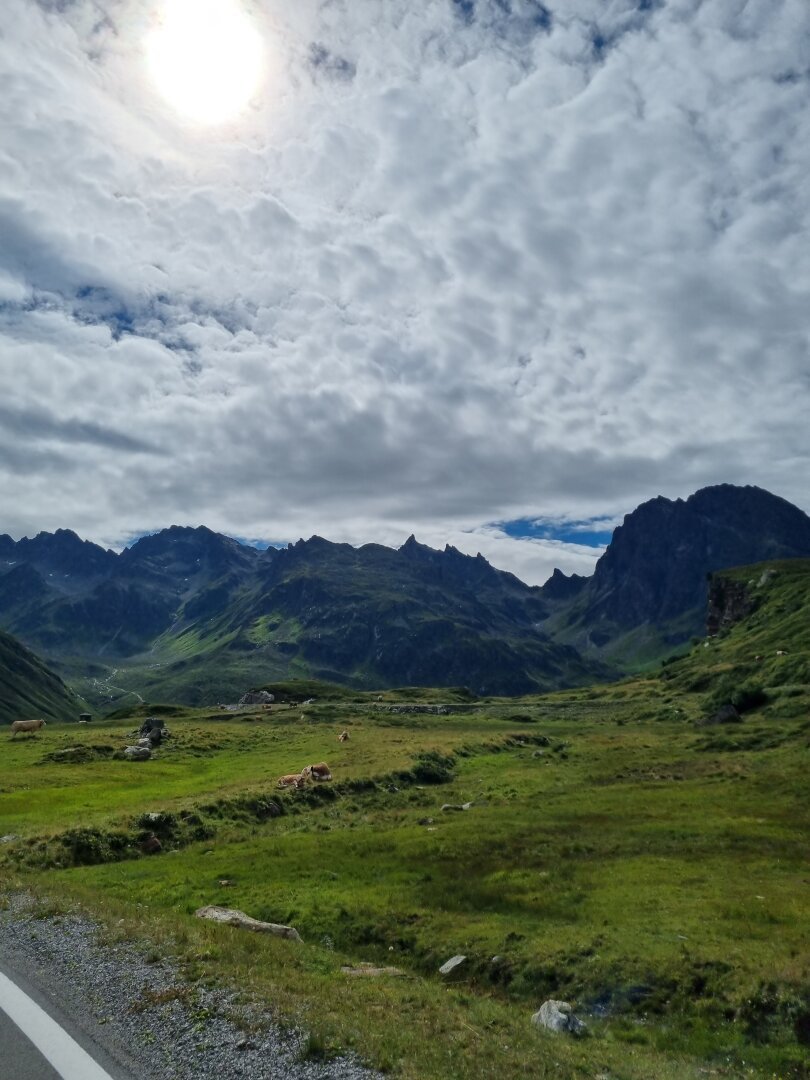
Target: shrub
{"x": 433, "y": 768}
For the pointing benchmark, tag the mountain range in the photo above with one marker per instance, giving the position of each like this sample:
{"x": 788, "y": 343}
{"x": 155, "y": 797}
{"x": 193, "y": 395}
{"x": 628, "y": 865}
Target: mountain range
{"x": 190, "y": 615}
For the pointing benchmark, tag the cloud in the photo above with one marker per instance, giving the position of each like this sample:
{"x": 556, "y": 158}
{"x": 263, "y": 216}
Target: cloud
{"x": 457, "y": 264}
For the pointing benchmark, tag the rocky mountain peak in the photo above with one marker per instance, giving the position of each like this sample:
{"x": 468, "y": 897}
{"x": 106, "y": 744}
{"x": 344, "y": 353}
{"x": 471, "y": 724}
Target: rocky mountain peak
{"x": 656, "y": 564}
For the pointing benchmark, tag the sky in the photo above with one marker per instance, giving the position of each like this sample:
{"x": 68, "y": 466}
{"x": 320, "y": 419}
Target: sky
{"x": 492, "y": 272}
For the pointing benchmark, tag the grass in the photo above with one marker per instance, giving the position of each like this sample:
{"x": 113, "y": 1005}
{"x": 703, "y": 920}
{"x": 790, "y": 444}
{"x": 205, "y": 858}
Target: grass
{"x": 660, "y": 904}
{"x": 617, "y": 855}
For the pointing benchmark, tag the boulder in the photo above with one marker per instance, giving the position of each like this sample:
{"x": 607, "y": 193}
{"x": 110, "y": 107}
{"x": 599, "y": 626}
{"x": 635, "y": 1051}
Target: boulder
{"x": 137, "y": 753}
{"x": 558, "y": 1016}
{"x": 257, "y": 697}
{"x": 151, "y": 723}
{"x": 451, "y": 967}
{"x": 726, "y": 714}
{"x": 232, "y": 917}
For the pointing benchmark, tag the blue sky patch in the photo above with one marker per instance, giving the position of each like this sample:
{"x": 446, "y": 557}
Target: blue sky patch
{"x": 590, "y": 533}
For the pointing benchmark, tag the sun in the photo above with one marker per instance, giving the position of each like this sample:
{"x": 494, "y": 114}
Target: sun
{"x": 206, "y": 58}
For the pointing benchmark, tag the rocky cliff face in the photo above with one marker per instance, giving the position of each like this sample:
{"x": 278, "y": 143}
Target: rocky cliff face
{"x": 653, "y": 574}
{"x": 729, "y": 602}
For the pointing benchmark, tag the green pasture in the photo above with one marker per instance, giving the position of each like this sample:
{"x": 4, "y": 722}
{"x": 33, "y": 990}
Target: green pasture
{"x": 616, "y": 855}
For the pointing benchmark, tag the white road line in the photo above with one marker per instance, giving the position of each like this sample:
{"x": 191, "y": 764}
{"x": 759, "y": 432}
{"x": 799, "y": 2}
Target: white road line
{"x": 52, "y": 1041}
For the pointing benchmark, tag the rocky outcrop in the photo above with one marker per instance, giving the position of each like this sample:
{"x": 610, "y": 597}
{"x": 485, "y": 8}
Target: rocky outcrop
{"x": 137, "y": 753}
{"x": 558, "y": 1016}
{"x": 257, "y": 697}
{"x": 729, "y": 602}
{"x": 562, "y": 586}
{"x": 726, "y": 714}
{"x": 653, "y": 574}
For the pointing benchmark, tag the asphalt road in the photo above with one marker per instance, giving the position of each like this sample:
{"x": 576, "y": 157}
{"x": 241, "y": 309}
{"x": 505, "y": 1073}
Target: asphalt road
{"x": 19, "y": 1057}
{"x": 38, "y": 1041}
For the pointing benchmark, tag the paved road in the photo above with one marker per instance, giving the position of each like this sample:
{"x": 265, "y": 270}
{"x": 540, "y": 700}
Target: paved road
{"x": 19, "y": 1056}
{"x": 39, "y": 1042}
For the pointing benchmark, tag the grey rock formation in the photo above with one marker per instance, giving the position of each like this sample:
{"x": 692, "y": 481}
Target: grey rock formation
{"x": 137, "y": 753}
{"x": 558, "y": 1016}
{"x": 257, "y": 697}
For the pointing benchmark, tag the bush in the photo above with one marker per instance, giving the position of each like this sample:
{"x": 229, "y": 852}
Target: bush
{"x": 433, "y": 768}
{"x": 744, "y": 696}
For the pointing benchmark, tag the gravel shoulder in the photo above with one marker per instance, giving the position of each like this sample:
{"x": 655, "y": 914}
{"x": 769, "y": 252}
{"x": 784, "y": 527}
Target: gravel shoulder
{"x": 151, "y": 1023}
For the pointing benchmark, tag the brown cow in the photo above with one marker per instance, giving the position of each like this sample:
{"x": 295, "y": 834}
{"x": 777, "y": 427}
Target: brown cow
{"x": 293, "y": 780}
{"x": 321, "y": 771}
{"x": 343, "y": 736}
{"x": 26, "y": 725}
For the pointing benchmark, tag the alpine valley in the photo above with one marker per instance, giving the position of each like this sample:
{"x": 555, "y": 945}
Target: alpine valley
{"x": 191, "y": 616}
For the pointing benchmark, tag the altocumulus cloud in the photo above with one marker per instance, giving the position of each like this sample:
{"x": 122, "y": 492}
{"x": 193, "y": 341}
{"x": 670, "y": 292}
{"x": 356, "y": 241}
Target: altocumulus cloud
{"x": 459, "y": 263}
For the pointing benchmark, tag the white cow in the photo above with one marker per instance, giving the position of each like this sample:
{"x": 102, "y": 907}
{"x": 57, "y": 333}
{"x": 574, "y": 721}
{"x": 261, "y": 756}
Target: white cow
{"x": 321, "y": 771}
{"x": 26, "y": 725}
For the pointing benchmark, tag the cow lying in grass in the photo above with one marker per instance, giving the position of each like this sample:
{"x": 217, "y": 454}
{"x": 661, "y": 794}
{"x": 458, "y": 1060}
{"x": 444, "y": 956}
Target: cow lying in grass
{"x": 320, "y": 771}
{"x": 26, "y": 725}
{"x": 293, "y": 780}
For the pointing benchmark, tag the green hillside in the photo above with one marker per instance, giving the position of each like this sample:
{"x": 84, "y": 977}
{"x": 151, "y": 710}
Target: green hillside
{"x": 760, "y": 655}
{"x": 28, "y": 689}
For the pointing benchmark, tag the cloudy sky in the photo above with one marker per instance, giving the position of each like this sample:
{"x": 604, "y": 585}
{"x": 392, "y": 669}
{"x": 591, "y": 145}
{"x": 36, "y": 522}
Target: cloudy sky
{"x": 489, "y": 271}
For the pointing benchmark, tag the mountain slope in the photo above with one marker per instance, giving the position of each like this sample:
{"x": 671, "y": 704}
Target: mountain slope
{"x": 648, "y": 591}
{"x": 28, "y": 689}
{"x": 373, "y": 617}
{"x": 195, "y": 616}
{"x": 760, "y": 616}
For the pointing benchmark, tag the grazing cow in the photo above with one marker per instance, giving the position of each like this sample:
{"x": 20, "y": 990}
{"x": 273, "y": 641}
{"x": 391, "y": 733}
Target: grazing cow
{"x": 781, "y": 652}
{"x": 26, "y": 725}
{"x": 758, "y": 657}
{"x": 320, "y": 771}
{"x": 293, "y": 780}
{"x": 343, "y": 736}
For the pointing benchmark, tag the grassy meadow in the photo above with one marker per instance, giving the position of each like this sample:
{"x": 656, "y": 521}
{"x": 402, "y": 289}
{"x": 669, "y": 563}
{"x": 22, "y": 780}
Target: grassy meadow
{"x": 617, "y": 854}
{"x": 612, "y": 858}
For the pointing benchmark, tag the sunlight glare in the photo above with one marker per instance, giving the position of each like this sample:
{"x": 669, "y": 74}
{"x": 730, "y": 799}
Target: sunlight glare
{"x": 206, "y": 58}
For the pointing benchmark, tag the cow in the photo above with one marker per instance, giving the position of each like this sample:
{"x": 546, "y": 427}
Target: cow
{"x": 781, "y": 652}
{"x": 293, "y": 780}
{"x": 343, "y": 736}
{"x": 320, "y": 771}
{"x": 26, "y": 725}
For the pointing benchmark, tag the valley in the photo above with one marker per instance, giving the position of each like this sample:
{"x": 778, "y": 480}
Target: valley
{"x": 618, "y": 851}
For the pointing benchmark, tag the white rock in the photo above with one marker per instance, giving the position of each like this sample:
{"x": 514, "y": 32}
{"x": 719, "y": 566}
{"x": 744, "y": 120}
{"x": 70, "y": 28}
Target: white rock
{"x": 451, "y": 966}
{"x": 245, "y": 922}
{"x": 558, "y": 1016}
